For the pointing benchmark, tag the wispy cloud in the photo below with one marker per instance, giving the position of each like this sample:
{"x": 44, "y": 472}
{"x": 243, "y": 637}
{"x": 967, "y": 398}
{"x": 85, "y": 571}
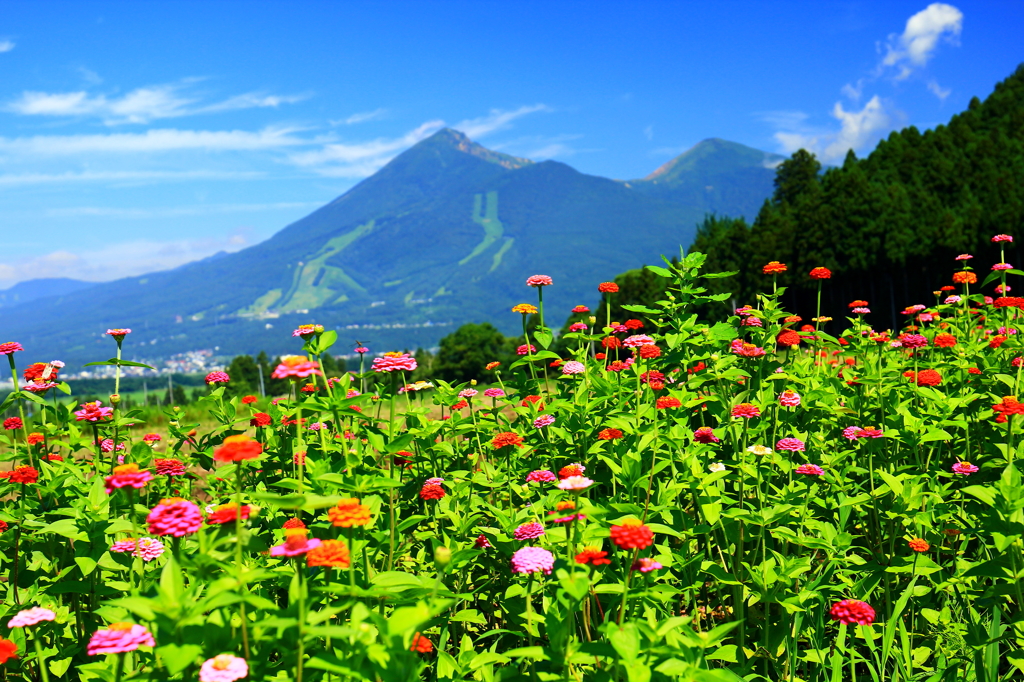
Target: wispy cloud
{"x": 937, "y": 90}
{"x": 6, "y": 45}
{"x": 120, "y": 177}
{"x": 541, "y": 147}
{"x": 497, "y": 119}
{"x": 156, "y": 140}
{"x": 124, "y": 259}
{"x": 361, "y": 117}
{"x": 917, "y": 44}
{"x": 139, "y": 106}
{"x": 174, "y": 211}
{"x": 341, "y": 160}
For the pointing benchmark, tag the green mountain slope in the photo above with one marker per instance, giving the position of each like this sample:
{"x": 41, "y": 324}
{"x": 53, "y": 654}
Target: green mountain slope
{"x": 446, "y": 233}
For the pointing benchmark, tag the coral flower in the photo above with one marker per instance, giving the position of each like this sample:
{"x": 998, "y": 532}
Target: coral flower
{"x": 649, "y": 352}
{"x": 543, "y": 420}
{"x": 169, "y": 467}
{"x": 151, "y": 438}
{"x": 296, "y": 367}
{"x": 540, "y": 476}
{"x": 431, "y": 491}
{"x": 790, "y": 444}
{"x": 608, "y": 287}
{"x": 788, "y": 337}
{"x": 119, "y": 638}
{"x": 223, "y": 668}
{"x": 705, "y": 434}
{"x": 538, "y": 281}
{"x": 575, "y": 469}
{"x": 789, "y": 399}
{"x": 810, "y": 470}
{"x": 333, "y": 553}
{"x": 174, "y": 516}
{"x": 13, "y": 423}
{"x": 964, "y": 468}
{"x": 8, "y": 650}
{"x": 575, "y": 483}
{"x": 667, "y": 402}
{"x": 237, "y": 448}
{"x": 609, "y": 434}
{"x": 526, "y": 349}
{"x": 127, "y": 476}
{"x": 965, "y": 277}
{"x": 746, "y": 350}
{"x": 492, "y": 365}
{"x": 528, "y": 531}
{"x": 506, "y": 439}
{"x": 524, "y": 308}
{"x": 533, "y": 560}
{"x": 746, "y": 410}
{"x": 774, "y": 268}
{"x": 926, "y": 377}
{"x": 293, "y": 522}
{"x": 821, "y": 273}
{"x": 227, "y": 513}
{"x": 23, "y": 475}
{"x": 592, "y": 556}
{"x": 30, "y": 617}
{"x": 93, "y": 412}
{"x": 249, "y": 399}
{"x": 35, "y": 438}
{"x": 581, "y": 309}
{"x": 1002, "y": 238}
{"x": 944, "y": 340}
{"x": 261, "y": 419}
{"x": 645, "y": 565}
{"x": 10, "y": 347}
{"x": 119, "y": 333}
{"x": 296, "y": 543}
{"x": 918, "y": 545}
{"x": 632, "y": 534}
{"x": 852, "y": 612}
{"x": 348, "y": 513}
{"x": 421, "y": 644}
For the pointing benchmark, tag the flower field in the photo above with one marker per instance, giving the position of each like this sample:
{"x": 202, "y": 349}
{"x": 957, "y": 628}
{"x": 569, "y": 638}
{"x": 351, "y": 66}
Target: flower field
{"x": 670, "y": 499}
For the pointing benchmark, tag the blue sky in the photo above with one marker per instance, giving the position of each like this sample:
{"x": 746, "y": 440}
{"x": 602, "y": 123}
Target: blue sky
{"x": 138, "y": 136}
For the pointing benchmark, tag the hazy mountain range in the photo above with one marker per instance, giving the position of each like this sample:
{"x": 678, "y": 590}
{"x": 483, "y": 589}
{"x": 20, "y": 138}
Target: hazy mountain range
{"x": 445, "y": 233}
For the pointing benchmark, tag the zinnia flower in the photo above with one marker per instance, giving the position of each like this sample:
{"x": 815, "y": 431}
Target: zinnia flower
{"x": 918, "y": 545}
{"x": 526, "y": 349}
{"x": 297, "y": 367}
{"x": 789, "y": 399}
{"x": 609, "y": 434}
{"x": 964, "y": 468}
{"x": 1002, "y": 266}
{"x": 223, "y": 668}
{"x": 524, "y": 308}
{"x": 706, "y": 434}
{"x": 431, "y": 491}
{"x": 788, "y": 337}
{"x": 8, "y": 650}
{"x": 810, "y": 470}
{"x": 540, "y": 476}
{"x": 261, "y": 419}
{"x": 25, "y": 475}
{"x": 119, "y": 333}
{"x": 505, "y": 439}
{"x": 13, "y": 423}
{"x": 151, "y": 438}
{"x": 575, "y": 469}
{"x": 333, "y": 553}
{"x": 148, "y": 549}
{"x": 632, "y": 534}
{"x": 746, "y": 410}
{"x": 575, "y": 483}
{"x": 543, "y": 420}
{"x": 608, "y": 287}
{"x": 573, "y": 367}
{"x": 227, "y": 513}
{"x": 1002, "y": 238}
{"x": 667, "y": 402}
{"x": 645, "y": 565}
{"x": 237, "y": 448}
{"x": 790, "y": 444}
{"x": 852, "y": 612}
{"x": 29, "y": 617}
{"x": 578, "y": 327}
{"x": 528, "y": 531}
{"x": 592, "y": 556}
{"x": 482, "y": 542}
{"x": 774, "y": 268}
{"x": 533, "y": 560}
{"x": 127, "y": 476}
{"x": 10, "y": 347}
{"x": 217, "y": 378}
{"x": 538, "y": 281}
{"x": 304, "y": 330}
{"x": 965, "y": 277}
{"x": 92, "y": 412}
{"x": 821, "y": 273}
{"x": 296, "y": 543}
{"x": 421, "y": 644}
{"x": 174, "y": 516}
{"x": 119, "y": 638}
{"x": 348, "y": 512}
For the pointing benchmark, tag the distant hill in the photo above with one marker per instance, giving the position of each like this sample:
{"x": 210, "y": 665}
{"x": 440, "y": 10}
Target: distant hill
{"x": 445, "y": 233}
{"x": 25, "y": 292}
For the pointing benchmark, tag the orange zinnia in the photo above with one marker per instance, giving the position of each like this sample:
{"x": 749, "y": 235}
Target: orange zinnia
{"x": 237, "y": 448}
{"x": 965, "y": 277}
{"x": 774, "y": 268}
{"x": 348, "y": 513}
{"x": 332, "y": 553}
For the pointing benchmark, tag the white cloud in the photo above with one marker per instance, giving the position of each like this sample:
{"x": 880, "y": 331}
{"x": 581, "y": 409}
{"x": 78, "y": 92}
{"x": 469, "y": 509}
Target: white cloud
{"x": 6, "y": 46}
{"x": 361, "y": 117}
{"x": 122, "y": 177}
{"x": 541, "y": 146}
{"x": 857, "y": 130}
{"x": 113, "y": 261}
{"x": 156, "y": 140}
{"x": 497, "y": 119}
{"x": 937, "y": 90}
{"x": 920, "y": 38}
{"x": 853, "y": 92}
{"x": 340, "y": 160}
{"x": 141, "y": 105}
{"x": 174, "y": 211}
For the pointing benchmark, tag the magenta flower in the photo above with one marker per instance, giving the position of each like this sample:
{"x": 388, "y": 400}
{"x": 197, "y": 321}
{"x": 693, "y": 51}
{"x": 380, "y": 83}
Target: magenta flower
{"x": 119, "y": 638}
{"x": 175, "y": 517}
{"x": 533, "y": 560}
{"x": 541, "y": 476}
{"x": 92, "y": 412}
{"x": 123, "y": 546}
{"x": 543, "y": 420}
{"x": 810, "y": 470}
{"x": 10, "y": 347}
{"x": 637, "y": 340}
{"x": 1002, "y": 238}
{"x": 361, "y": 350}
{"x": 789, "y": 399}
{"x": 790, "y": 444}
{"x": 964, "y": 256}
{"x": 852, "y": 612}
{"x": 217, "y": 378}
{"x": 851, "y": 432}
{"x": 528, "y": 531}
{"x": 223, "y": 668}
{"x": 526, "y": 349}
{"x": 494, "y": 393}
{"x": 578, "y": 327}
{"x": 705, "y": 434}
{"x": 119, "y": 333}
{"x": 646, "y": 565}
{"x": 29, "y": 617}
{"x": 149, "y": 549}
{"x": 394, "y": 362}
{"x": 538, "y": 281}
{"x": 295, "y": 544}
{"x": 1002, "y": 266}
{"x": 296, "y": 367}
{"x": 482, "y": 542}
{"x": 573, "y": 367}
{"x": 964, "y": 468}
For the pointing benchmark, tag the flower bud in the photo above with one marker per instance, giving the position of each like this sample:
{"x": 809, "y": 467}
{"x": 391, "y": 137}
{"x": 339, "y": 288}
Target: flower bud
{"x": 442, "y": 556}
{"x": 593, "y": 320}
{"x": 115, "y": 398}
{"x": 472, "y": 382}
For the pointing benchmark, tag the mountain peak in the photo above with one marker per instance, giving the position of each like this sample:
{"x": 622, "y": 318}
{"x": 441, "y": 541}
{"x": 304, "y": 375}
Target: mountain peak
{"x": 459, "y": 141}
{"x": 707, "y": 154}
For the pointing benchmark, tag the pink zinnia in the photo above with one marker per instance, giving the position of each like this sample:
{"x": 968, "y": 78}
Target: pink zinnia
{"x": 151, "y": 438}
{"x": 964, "y": 256}
{"x": 223, "y": 668}
{"x": 851, "y": 432}
{"x": 543, "y": 420}
{"x": 528, "y": 531}
{"x": 541, "y": 476}
{"x": 10, "y": 347}
{"x": 538, "y": 281}
{"x": 295, "y": 544}
{"x": 750, "y": 322}
{"x": 169, "y": 467}
{"x": 123, "y": 546}
{"x": 810, "y": 470}
{"x": 40, "y": 388}
{"x": 852, "y": 612}
{"x": 175, "y": 516}
{"x": 573, "y": 367}
{"x": 790, "y": 444}
{"x": 119, "y": 333}
{"x": 217, "y": 378}
{"x": 127, "y": 476}
{"x": 149, "y": 549}
{"x": 533, "y": 560}
{"x": 637, "y": 340}
{"x": 705, "y": 434}
{"x": 526, "y": 349}
{"x": 964, "y": 468}
{"x": 575, "y": 483}
{"x": 861, "y": 311}
{"x": 1002, "y": 238}
{"x": 482, "y": 542}
{"x": 1002, "y": 266}
{"x": 789, "y": 399}
{"x": 92, "y": 412}
{"x": 494, "y": 393}
{"x": 119, "y": 638}
{"x": 29, "y": 617}
{"x": 913, "y": 340}
{"x": 578, "y": 327}
{"x": 394, "y": 362}
{"x": 646, "y": 565}
{"x": 296, "y": 367}
{"x": 468, "y": 392}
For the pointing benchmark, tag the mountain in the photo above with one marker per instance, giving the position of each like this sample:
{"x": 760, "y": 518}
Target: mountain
{"x": 715, "y": 176}
{"x": 445, "y": 233}
{"x": 25, "y": 292}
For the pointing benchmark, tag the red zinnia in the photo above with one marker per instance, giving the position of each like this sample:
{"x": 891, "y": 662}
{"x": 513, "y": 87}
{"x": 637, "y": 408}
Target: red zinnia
{"x": 237, "y": 448}
{"x": 23, "y": 474}
{"x": 533, "y": 400}
{"x": 667, "y": 402}
{"x": 926, "y": 377}
{"x": 944, "y": 340}
{"x": 918, "y": 545}
{"x": 13, "y": 423}
{"x": 774, "y": 268}
{"x": 788, "y": 337}
{"x": 431, "y": 491}
{"x": 611, "y": 342}
{"x": 746, "y": 410}
{"x": 609, "y": 434}
{"x": 421, "y": 644}
{"x": 608, "y": 287}
{"x": 853, "y": 612}
{"x": 249, "y": 400}
{"x": 227, "y": 513}
{"x": 632, "y": 534}
{"x": 260, "y": 419}
{"x": 821, "y": 273}
{"x": 505, "y": 439}
{"x": 591, "y": 556}
{"x": 649, "y": 352}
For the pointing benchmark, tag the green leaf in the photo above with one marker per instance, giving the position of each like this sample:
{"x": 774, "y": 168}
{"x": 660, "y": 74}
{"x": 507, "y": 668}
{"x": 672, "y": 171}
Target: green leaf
{"x": 116, "y": 362}
{"x": 723, "y": 331}
{"x": 86, "y": 564}
{"x": 543, "y": 338}
{"x": 641, "y": 309}
{"x": 176, "y": 658}
{"x": 327, "y": 339}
